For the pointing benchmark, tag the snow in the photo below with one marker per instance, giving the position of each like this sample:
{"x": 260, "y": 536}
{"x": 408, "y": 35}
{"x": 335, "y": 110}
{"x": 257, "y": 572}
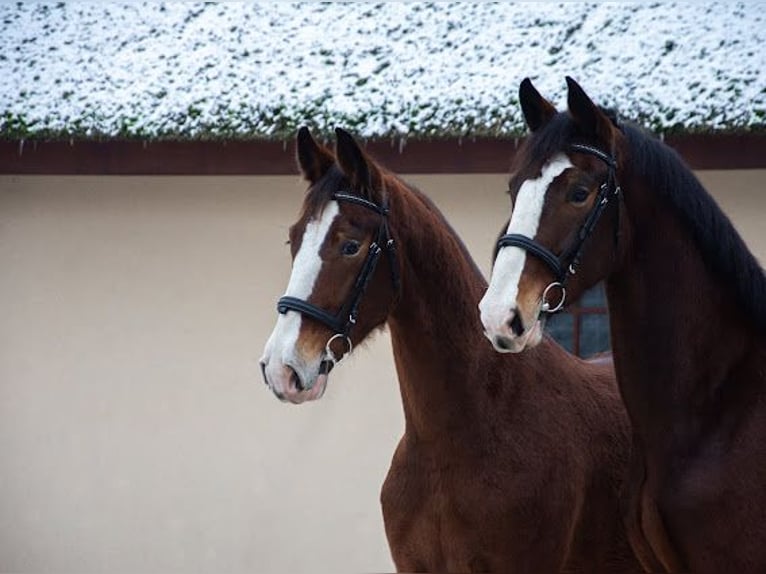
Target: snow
{"x": 260, "y": 70}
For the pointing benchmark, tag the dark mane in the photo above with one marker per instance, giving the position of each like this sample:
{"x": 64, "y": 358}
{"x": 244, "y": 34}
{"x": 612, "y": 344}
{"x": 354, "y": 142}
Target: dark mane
{"x": 724, "y": 250}
{"x": 667, "y": 175}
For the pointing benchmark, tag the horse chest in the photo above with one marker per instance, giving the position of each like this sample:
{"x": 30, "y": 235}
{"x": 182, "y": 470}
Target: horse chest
{"x": 438, "y": 518}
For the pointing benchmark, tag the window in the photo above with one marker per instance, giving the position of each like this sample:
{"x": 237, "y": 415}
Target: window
{"x": 584, "y": 328}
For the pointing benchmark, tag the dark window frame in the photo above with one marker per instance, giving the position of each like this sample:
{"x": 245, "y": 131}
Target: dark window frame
{"x": 578, "y": 313}
{"x": 570, "y": 337}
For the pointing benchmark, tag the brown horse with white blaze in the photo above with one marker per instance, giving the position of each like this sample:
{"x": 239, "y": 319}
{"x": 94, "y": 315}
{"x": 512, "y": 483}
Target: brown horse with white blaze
{"x": 507, "y": 463}
{"x": 597, "y": 199}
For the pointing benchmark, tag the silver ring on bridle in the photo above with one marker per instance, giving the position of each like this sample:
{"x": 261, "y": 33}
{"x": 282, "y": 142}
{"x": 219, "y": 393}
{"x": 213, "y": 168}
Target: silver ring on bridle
{"x": 328, "y": 347}
{"x": 545, "y": 307}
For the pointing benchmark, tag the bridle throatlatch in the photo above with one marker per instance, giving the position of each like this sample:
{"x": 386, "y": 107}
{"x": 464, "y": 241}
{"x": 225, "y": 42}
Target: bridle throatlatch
{"x": 344, "y": 320}
{"x": 565, "y": 264}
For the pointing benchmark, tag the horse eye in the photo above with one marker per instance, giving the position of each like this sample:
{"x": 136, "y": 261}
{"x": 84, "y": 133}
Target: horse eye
{"x": 350, "y": 248}
{"x": 579, "y": 195}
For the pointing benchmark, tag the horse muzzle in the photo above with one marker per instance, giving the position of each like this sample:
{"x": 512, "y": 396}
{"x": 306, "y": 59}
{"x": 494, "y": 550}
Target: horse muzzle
{"x": 509, "y": 333}
{"x": 291, "y": 385}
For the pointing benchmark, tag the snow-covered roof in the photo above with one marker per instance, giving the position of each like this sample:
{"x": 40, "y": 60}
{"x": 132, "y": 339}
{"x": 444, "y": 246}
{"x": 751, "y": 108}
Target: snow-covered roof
{"x": 259, "y": 70}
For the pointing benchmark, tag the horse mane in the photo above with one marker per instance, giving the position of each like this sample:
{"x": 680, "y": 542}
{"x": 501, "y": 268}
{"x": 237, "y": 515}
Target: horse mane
{"x": 723, "y": 248}
{"x": 431, "y": 207}
{"x": 673, "y": 181}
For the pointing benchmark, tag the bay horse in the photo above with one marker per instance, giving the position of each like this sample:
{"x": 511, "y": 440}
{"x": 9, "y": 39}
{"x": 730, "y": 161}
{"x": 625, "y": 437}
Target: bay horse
{"x": 506, "y": 463}
{"x": 598, "y": 199}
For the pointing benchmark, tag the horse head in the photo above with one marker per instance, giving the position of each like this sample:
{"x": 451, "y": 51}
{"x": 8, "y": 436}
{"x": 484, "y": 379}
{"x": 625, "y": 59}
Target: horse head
{"x": 344, "y": 271}
{"x": 557, "y": 244}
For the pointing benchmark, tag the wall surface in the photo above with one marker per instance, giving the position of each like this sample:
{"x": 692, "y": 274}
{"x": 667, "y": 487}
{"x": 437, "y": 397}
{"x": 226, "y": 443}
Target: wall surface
{"x": 135, "y": 432}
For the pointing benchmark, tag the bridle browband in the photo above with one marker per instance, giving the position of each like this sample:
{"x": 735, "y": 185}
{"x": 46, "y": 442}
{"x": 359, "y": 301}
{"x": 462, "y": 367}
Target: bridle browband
{"x": 344, "y": 320}
{"x": 565, "y": 264}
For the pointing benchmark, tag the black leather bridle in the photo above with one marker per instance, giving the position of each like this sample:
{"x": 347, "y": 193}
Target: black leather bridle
{"x": 344, "y": 319}
{"x": 565, "y": 264}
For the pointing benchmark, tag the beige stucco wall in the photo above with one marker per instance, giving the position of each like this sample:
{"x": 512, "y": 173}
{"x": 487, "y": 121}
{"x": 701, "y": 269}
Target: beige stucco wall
{"x": 135, "y": 434}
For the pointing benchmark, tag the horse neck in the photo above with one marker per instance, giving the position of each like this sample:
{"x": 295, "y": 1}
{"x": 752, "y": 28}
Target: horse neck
{"x": 676, "y": 331}
{"x": 435, "y": 327}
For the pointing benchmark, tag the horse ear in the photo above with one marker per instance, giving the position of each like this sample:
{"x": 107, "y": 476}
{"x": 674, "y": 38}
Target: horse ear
{"x": 313, "y": 159}
{"x": 588, "y": 115}
{"x": 536, "y": 109}
{"x": 354, "y": 163}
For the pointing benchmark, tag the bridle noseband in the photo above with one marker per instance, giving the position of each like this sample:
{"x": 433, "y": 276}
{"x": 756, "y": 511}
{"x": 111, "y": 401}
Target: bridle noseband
{"x": 344, "y": 320}
{"x": 565, "y": 264}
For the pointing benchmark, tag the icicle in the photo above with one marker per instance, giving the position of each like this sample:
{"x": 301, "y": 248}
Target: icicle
{"x": 402, "y": 143}
{"x": 21, "y": 146}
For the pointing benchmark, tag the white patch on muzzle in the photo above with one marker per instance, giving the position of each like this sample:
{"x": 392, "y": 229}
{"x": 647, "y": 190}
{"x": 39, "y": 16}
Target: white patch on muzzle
{"x": 281, "y": 349}
{"x": 499, "y": 302}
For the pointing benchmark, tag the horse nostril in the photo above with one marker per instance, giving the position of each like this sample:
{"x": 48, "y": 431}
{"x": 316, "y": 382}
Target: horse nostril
{"x": 263, "y": 372}
{"x": 515, "y": 325}
{"x": 296, "y": 380}
{"x": 501, "y": 343}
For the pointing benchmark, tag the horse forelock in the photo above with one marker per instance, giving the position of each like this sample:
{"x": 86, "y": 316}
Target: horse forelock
{"x": 322, "y": 191}
{"x": 555, "y": 136}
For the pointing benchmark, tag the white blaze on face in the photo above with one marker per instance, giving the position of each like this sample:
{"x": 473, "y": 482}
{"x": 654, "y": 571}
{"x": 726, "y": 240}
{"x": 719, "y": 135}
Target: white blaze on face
{"x": 503, "y": 288}
{"x": 281, "y": 346}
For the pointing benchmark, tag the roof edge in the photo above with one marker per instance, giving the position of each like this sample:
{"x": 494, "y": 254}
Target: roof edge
{"x": 701, "y": 151}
